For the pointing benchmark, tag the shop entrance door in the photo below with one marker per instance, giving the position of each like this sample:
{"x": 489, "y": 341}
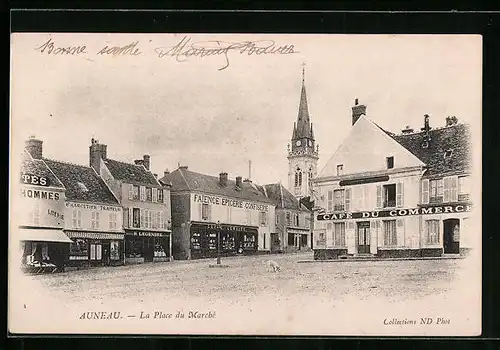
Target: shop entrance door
{"x": 148, "y": 249}
{"x": 451, "y": 236}
{"x": 106, "y": 257}
{"x": 364, "y": 237}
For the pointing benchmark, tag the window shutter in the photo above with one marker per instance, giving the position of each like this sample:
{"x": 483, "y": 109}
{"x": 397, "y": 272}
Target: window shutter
{"x": 347, "y": 199}
{"x": 330, "y": 201}
{"x": 141, "y": 224}
{"x": 130, "y": 191}
{"x": 446, "y": 189}
{"x": 165, "y": 196}
{"x": 425, "y": 191}
{"x": 329, "y": 234}
{"x": 454, "y": 188}
{"x": 379, "y": 196}
{"x": 400, "y": 232}
{"x": 399, "y": 194}
{"x": 130, "y": 217}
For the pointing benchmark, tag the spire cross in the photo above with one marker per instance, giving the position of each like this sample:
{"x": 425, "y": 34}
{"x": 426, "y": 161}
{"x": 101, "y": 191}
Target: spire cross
{"x": 303, "y": 70}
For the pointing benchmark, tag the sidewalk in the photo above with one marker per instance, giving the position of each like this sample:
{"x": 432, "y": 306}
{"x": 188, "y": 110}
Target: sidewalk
{"x": 445, "y": 257}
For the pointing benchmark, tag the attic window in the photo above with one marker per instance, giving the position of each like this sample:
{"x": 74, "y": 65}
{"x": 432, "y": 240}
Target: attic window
{"x": 448, "y": 153}
{"x": 390, "y": 162}
{"x": 83, "y": 187}
{"x": 340, "y": 169}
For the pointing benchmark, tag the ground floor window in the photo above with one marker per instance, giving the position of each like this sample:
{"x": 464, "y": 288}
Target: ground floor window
{"x": 95, "y": 250}
{"x": 161, "y": 247}
{"x": 291, "y": 239}
{"x": 432, "y": 230}
{"x": 390, "y": 234}
{"x": 134, "y": 247}
{"x": 204, "y": 241}
{"x": 114, "y": 250}
{"x": 79, "y": 248}
{"x": 339, "y": 234}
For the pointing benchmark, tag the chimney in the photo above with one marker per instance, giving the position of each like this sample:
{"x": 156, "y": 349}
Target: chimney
{"x": 357, "y": 111}
{"x": 34, "y": 147}
{"x": 407, "y": 130}
{"x": 147, "y": 161}
{"x": 451, "y": 121}
{"x": 97, "y": 152}
{"x": 156, "y": 176}
{"x": 166, "y": 172}
{"x": 183, "y": 167}
{"x": 139, "y": 162}
{"x": 238, "y": 181}
{"x": 223, "y": 179}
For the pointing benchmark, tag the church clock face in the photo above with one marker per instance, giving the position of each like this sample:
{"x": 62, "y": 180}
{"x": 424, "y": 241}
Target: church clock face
{"x": 298, "y": 143}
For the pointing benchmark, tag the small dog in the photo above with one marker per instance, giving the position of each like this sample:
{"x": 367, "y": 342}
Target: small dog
{"x": 274, "y": 265}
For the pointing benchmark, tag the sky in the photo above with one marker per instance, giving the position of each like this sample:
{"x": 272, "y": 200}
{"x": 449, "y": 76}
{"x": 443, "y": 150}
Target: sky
{"x": 192, "y": 113}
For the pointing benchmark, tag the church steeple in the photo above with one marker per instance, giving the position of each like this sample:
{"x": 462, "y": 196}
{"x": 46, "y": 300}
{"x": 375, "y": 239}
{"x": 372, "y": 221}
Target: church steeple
{"x": 303, "y": 122}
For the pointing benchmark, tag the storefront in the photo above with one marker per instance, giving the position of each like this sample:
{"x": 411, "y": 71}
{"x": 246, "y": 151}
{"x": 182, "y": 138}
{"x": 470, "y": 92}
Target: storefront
{"x": 234, "y": 239}
{"x": 146, "y": 246}
{"x": 95, "y": 248}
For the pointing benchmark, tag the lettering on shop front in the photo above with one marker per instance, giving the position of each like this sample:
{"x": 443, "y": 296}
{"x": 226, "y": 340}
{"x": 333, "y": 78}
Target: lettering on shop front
{"x": 40, "y": 194}
{"x": 206, "y": 199}
{"x": 458, "y": 208}
{"x": 92, "y": 206}
{"x": 30, "y": 179}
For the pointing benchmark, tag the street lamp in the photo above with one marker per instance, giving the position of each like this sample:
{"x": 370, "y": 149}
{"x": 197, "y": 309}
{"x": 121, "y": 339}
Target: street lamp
{"x": 218, "y": 242}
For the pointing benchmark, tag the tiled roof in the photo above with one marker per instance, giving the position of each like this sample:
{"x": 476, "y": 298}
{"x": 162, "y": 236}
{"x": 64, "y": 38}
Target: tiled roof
{"x": 74, "y": 176}
{"x": 455, "y": 138}
{"x": 282, "y": 197}
{"x": 39, "y": 168}
{"x": 185, "y": 180}
{"x": 130, "y": 172}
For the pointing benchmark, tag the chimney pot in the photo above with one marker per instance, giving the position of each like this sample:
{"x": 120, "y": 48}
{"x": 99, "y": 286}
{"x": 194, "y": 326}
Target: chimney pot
{"x": 238, "y": 181}
{"x": 183, "y": 167}
{"x": 223, "y": 179}
{"x": 166, "y": 172}
{"x": 34, "y": 147}
{"x": 97, "y": 152}
{"x": 146, "y": 161}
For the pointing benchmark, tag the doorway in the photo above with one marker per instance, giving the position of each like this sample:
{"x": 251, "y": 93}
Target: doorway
{"x": 451, "y": 236}
{"x": 364, "y": 237}
{"x": 149, "y": 247}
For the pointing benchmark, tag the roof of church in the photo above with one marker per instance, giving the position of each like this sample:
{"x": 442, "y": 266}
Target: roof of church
{"x": 282, "y": 198}
{"x": 303, "y": 127}
{"x": 183, "y": 179}
{"x": 82, "y": 183}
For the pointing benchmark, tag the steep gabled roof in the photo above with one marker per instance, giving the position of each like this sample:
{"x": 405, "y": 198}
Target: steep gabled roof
{"x": 282, "y": 198}
{"x": 81, "y": 182}
{"x": 455, "y": 138}
{"x": 184, "y": 180}
{"x": 130, "y": 172}
{"x": 39, "y": 168}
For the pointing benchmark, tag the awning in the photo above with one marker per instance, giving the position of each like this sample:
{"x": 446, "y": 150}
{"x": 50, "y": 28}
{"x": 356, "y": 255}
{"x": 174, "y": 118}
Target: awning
{"x": 298, "y": 231}
{"x": 41, "y": 235}
{"x": 94, "y": 235}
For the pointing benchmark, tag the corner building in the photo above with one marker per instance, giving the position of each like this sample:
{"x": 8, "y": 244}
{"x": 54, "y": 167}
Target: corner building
{"x": 388, "y": 195}
{"x": 210, "y": 211}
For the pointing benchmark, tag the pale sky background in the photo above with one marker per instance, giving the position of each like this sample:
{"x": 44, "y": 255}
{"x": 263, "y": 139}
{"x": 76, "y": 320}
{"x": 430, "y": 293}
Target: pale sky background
{"x": 192, "y": 113}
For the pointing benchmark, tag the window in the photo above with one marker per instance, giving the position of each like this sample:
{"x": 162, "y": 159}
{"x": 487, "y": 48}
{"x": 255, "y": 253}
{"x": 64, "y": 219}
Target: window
{"x": 134, "y": 247}
{"x": 114, "y": 250}
{"x": 432, "y": 231}
{"x": 94, "y": 220}
{"x": 436, "y": 189}
{"x": 296, "y": 220}
{"x": 155, "y": 195}
{"x": 263, "y": 218}
{"x": 160, "y": 248}
{"x": 450, "y": 189}
{"x": 135, "y": 192}
{"x": 339, "y": 200}
{"x": 112, "y": 221}
{"x": 288, "y": 218}
{"x": 277, "y": 219}
{"x": 205, "y": 211}
{"x": 330, "y": 201}
{"x": 136, "y": 217}
{"x": 77, "y": 218}
{"x": 339, "y": 234}
{"x": 149, "y": 194}
{"x": 390, "y": 233}
{"x": 463, "y": 188}
{"x": 160, "y": 195}
{"x": 147, "y": 218}
{"x": 82, "y": 187}
{"x": 298, "y": 177}
{"x": 95, "y": 250}
{"x": 389, "y": 195}
{"x": 264, "y": 241}
{"x": 390, "y": 162}
{"x": 79, "y": 247}
{"x": 448, "y": 153}
{"x": 340, "y": 169}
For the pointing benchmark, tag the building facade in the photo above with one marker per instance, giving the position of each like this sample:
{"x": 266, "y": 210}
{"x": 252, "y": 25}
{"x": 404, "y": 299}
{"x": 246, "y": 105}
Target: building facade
{"x": 389, "y": 195}
{"x": 145, "y": 203}
{"x": 293, "y": 221}
{"x": 303, "y": 153}
{"x": 211, "y": 213}
{"x": 40, "y": 213}
{"x": 94, "y": 217}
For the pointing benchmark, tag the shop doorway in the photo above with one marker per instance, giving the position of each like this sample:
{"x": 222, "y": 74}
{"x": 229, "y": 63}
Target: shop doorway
{"x": 451, "y": 236}
{"x": 364, "y": 237}
{"x": 149, "y": 247}
{"x": 106, "y": 255}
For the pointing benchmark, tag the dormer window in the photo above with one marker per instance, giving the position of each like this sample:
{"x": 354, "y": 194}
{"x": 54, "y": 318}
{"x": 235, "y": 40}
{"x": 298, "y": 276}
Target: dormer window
{"x": 82, "y": 187}
{"x": 340, "y": 169}
{"x": 390, "y": 162}
{"x": 448, "y": 153}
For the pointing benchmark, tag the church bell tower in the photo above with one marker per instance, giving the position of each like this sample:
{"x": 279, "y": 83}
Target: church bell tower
{"x": 303, "y": 153}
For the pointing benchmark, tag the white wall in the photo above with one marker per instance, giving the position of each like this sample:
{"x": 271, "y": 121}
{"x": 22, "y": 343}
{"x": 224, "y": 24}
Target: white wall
{"x": 86, "y": 210}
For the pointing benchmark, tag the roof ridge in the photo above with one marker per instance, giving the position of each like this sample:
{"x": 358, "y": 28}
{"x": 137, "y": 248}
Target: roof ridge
{"x": 67, "y": 163}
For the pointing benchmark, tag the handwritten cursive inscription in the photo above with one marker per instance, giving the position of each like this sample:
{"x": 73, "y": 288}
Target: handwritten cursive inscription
{"x": 185, "y": 49}
{"x": 51, "y": 49}
{"x": 131, "y": 49}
